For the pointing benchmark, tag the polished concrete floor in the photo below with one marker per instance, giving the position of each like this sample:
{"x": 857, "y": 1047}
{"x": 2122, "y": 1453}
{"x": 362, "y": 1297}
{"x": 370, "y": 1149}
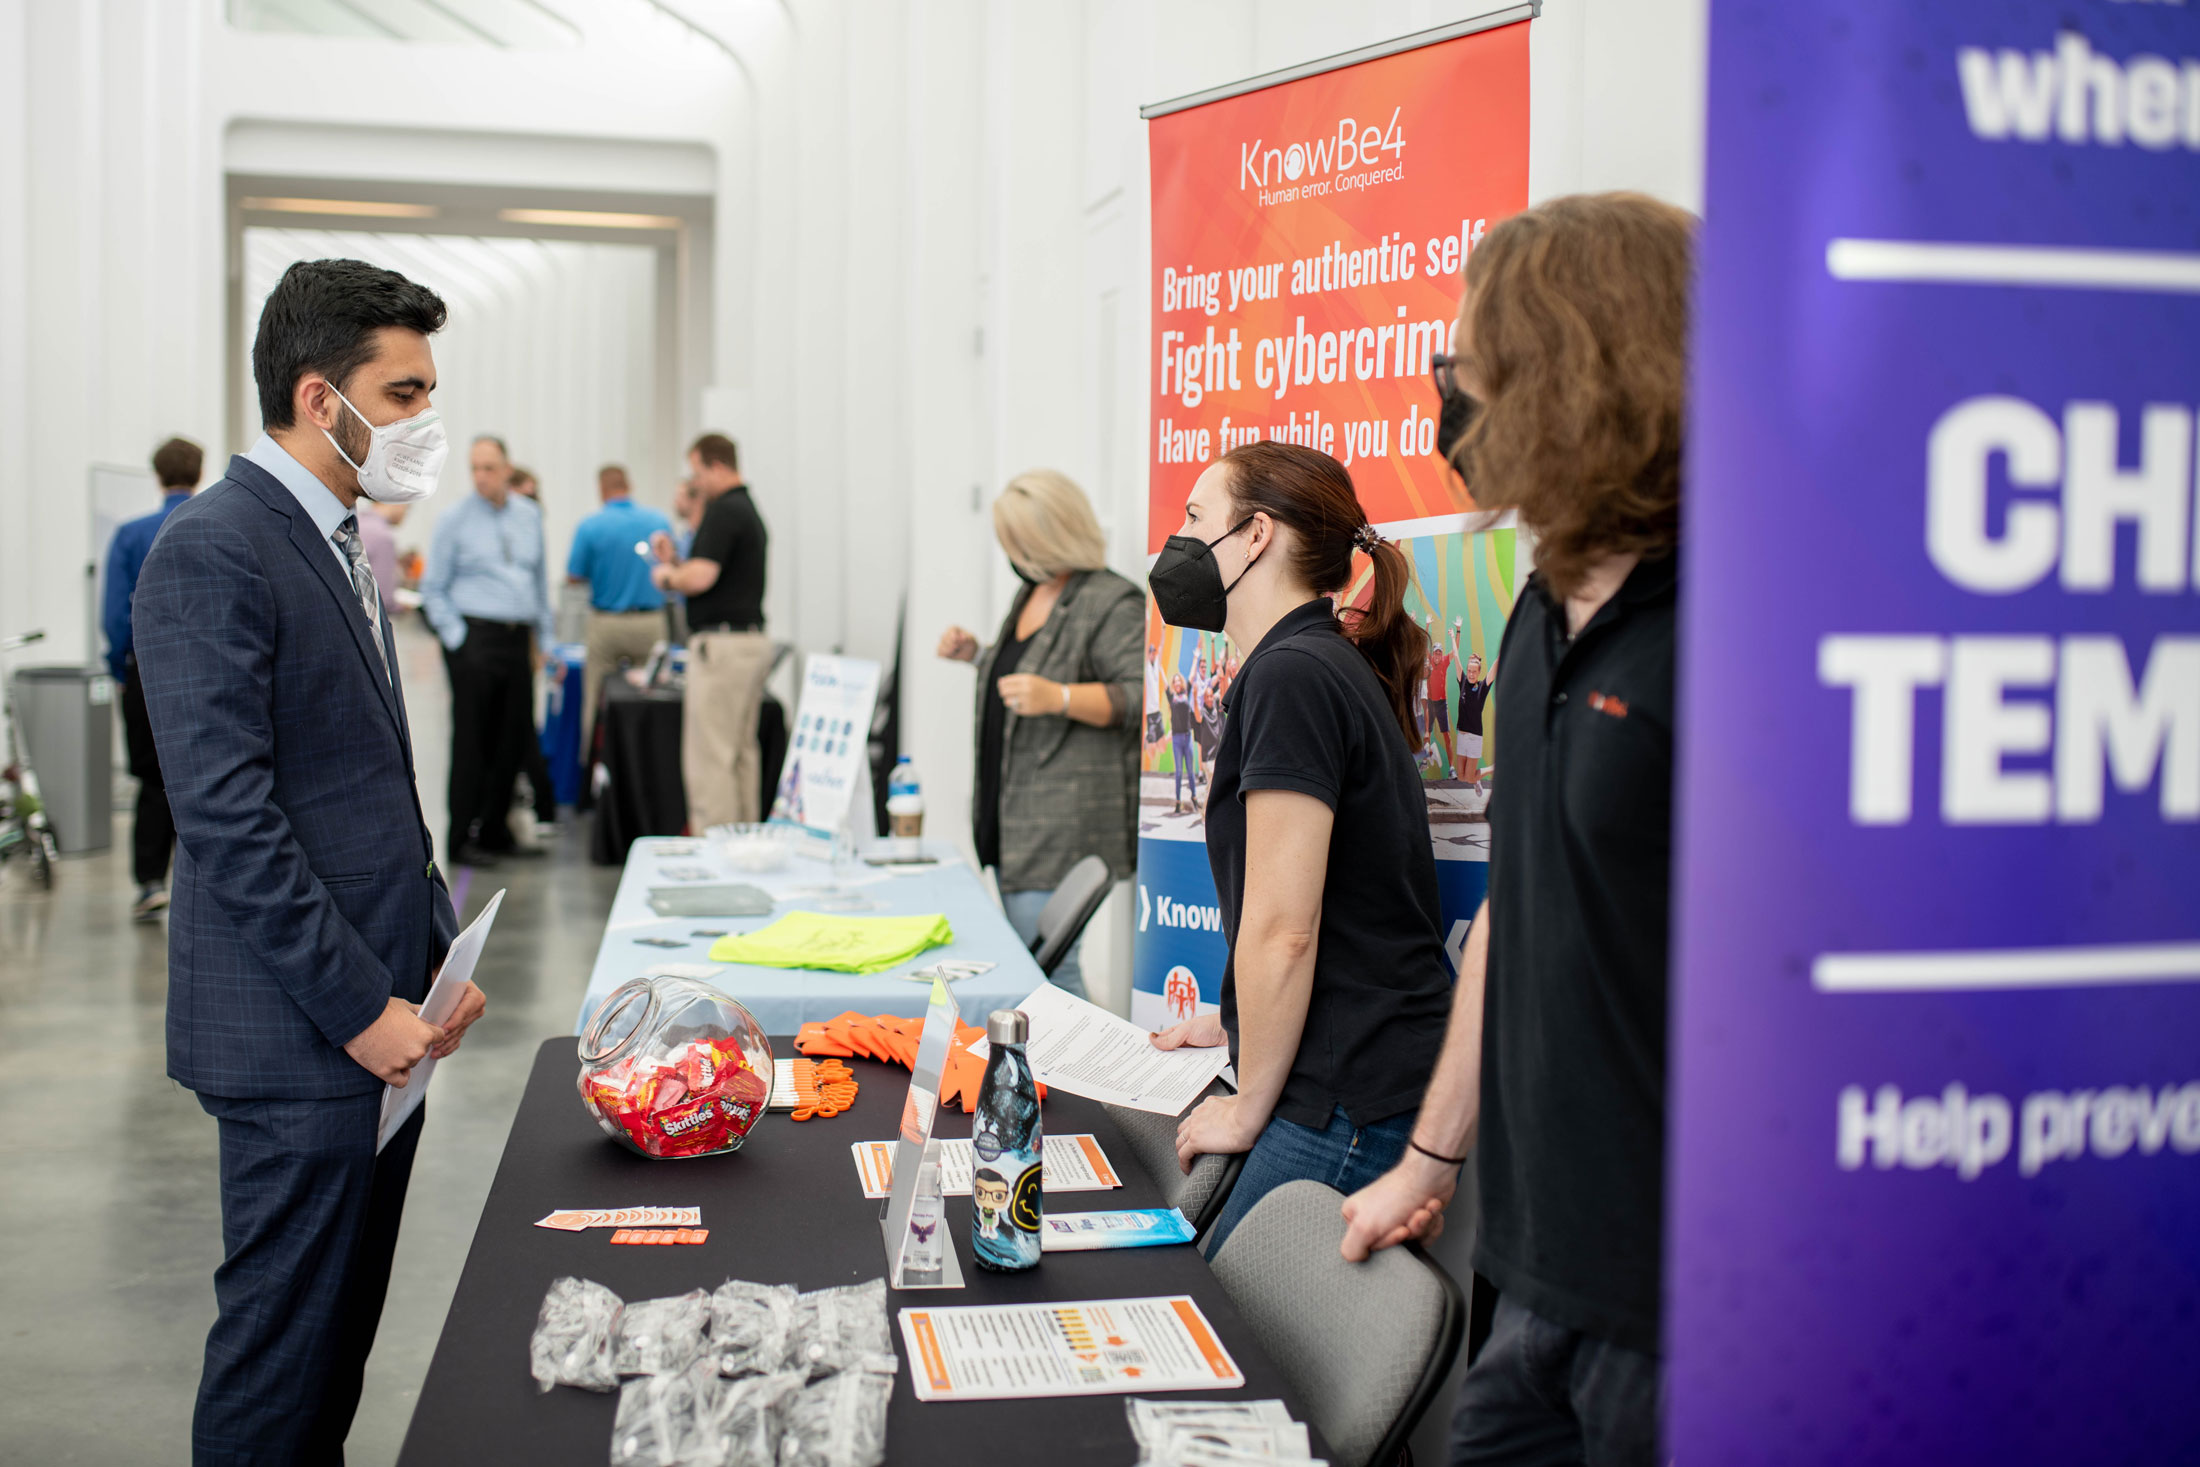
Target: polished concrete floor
{"x": 109, "y": 1204}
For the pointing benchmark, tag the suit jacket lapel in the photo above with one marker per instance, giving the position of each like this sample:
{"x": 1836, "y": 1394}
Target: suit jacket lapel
{"x": 1050, "y": 630}
{"x": 321, "y": 558}
{"x": 404, "y": 721}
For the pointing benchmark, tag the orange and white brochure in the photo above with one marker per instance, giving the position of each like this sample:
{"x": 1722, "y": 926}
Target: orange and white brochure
{"x": 581, "y": 1219}
{"x": 1098, "y": 1347}
{"x": 1072, "y": 1164}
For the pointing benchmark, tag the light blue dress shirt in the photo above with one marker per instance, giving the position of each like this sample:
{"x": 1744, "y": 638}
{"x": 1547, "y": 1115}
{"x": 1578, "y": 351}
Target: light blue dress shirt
{"x": 319, "y": 501}
{"x": 604, "y": 556}
{"x": 489, "y": 563}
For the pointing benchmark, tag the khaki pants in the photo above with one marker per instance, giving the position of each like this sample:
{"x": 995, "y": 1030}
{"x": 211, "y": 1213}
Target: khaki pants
{"x": 611, "y": 636}
{"x": 719, "y": 757}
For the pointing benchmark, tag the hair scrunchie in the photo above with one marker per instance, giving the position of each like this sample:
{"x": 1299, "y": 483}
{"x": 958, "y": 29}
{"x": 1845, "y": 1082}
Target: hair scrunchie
{"x": 1366, "y": 538}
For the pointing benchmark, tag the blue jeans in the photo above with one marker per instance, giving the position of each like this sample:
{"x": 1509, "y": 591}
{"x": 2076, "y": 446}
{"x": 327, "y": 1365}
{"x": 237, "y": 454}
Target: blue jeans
{"x": 1341, "y": 1155}
{"x": 1180, "y": 746}
{"x": 1023, "y": 914}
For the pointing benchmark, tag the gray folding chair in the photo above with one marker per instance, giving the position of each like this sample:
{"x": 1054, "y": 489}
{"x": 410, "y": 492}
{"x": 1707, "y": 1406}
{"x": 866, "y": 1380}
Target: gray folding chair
{"x": 1062, "y": 920}
{"x": 1365, "y": 1346}
{"x": 1199, "y": 1196}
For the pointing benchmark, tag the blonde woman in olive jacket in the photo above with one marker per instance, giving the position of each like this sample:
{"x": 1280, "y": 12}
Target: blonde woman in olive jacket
{"x": 1058, "y": 705}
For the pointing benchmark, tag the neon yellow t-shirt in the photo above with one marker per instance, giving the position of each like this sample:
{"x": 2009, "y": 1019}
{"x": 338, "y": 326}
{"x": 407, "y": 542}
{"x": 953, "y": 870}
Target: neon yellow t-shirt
{"x": 835, "y": 944}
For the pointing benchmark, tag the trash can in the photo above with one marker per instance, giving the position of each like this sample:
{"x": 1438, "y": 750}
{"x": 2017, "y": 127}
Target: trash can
{"x": 65, "y": 716}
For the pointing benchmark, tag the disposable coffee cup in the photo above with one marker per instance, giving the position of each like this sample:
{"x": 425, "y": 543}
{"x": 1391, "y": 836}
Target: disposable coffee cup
{"x": 905, "y": 821}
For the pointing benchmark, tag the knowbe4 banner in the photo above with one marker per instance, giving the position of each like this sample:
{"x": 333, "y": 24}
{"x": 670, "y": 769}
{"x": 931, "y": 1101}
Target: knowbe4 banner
{"x": 1307, "y": 244}
{"x": 1935, "y": 1179}
{"x": 1308, "y": 241}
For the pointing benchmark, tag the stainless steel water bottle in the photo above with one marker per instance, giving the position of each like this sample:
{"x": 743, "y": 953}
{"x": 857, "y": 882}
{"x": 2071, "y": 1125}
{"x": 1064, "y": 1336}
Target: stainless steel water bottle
{"x": 1006, "y": 1189}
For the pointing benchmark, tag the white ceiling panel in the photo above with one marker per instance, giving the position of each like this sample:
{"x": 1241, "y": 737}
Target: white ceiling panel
{"x": 513, "y": 24}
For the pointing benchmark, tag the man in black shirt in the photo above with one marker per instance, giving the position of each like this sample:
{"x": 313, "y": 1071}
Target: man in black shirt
{"x": 728, "y": 655}
{"x": 1554, "y": 1063}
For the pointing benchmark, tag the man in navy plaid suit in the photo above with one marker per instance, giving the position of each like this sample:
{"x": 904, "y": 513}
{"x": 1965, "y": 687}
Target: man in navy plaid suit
{"x": 308, "y": 914}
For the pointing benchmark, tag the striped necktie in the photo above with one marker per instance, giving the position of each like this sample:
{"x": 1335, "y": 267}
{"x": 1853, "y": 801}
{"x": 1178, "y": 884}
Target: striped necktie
{"x": 362, "y": 582}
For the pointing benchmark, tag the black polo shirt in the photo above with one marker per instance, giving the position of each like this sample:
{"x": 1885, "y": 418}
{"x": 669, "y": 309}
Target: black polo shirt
{"x": 1307, "y": 714}
{"x": 732, "y": 534}
{"x": 1571, "y": 1152}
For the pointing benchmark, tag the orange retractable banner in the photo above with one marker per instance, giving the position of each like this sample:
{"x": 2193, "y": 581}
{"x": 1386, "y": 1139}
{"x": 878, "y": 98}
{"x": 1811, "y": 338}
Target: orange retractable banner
{"x": 1308, "y": 241}
{"x": 1307, "y": 244}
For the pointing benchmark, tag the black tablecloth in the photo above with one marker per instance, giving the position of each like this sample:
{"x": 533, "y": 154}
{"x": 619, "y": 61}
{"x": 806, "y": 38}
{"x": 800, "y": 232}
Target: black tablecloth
{"x": 638, "y": 743}
{"x": 786, "y": 1208}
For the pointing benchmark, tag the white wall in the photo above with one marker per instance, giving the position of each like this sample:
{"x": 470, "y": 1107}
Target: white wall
{"x": 113, "y": 120}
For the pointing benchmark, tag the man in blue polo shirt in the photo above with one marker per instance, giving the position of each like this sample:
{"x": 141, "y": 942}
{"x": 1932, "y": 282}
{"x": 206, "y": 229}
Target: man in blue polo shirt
{"x": 176, "y": 464}
{"x": 625, "y": 611}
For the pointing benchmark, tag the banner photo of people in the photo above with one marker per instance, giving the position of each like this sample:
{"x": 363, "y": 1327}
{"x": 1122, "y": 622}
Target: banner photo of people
{"x": 1308, "y": 243}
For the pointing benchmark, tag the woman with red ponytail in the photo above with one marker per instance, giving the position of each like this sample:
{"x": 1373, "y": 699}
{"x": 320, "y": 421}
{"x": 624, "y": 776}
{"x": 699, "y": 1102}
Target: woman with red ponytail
{"x": 1336, "y": 989}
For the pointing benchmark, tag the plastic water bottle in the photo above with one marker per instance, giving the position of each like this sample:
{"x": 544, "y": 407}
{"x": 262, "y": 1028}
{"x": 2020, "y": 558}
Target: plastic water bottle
{"x": 1007, "y": 1191}
{"x": 905, "y": 809}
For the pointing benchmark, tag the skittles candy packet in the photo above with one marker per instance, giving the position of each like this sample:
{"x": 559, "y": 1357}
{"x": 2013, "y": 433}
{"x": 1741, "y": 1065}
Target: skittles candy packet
{"x": 701, "y": 1100}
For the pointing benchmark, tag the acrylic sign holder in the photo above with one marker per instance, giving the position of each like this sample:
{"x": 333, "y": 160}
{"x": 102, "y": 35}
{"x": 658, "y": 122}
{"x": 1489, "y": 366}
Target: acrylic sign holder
{"x": 915, "y": 1147}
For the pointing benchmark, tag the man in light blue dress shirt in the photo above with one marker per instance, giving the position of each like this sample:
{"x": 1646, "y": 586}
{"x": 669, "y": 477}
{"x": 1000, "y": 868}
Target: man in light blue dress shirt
{"x": 487, "y": 598}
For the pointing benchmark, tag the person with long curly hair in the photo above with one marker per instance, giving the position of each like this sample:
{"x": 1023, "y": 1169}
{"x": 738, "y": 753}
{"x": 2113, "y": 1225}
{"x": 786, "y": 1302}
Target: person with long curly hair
{"x": 1570, "y": 361}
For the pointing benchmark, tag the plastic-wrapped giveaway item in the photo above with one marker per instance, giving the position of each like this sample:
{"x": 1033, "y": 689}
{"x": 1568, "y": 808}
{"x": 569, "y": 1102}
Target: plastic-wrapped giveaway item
{"x": 668, "y": 1420}
{"x": 840, "y": 1421}
{"x": 750, "y": 1415}
{"x": 662, "y": 1336}
{"x": 835, "y": 1328}
{"x": 1216, "y": 1433}
{"x": 750, "y": 1326}
{"x": 574, "y": 1334}
{"x": 671, "y": 1067}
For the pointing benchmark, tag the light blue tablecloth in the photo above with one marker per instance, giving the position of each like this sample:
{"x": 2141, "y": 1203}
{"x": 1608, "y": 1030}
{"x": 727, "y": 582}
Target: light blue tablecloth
{"x": 783, "y": 999}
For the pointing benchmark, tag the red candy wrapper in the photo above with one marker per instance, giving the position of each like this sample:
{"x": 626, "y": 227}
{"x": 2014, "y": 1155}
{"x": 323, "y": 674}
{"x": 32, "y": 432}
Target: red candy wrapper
{"x": 689, "y": 1129}
{"x": 703, "y": 1100}
{"x": 699, "y": 1068}
{"x": 672, "y": 1067}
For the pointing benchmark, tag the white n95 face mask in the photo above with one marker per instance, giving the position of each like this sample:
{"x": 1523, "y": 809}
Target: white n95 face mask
{"x": 404, "y": 459}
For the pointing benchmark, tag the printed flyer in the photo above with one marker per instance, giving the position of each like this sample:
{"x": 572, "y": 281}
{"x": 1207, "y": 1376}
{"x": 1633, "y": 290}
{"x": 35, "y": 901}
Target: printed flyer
{"x": 1096, "y": 1347}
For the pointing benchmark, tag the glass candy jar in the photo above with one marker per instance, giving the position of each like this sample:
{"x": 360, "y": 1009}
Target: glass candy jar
{"x": 671, "y": 1067}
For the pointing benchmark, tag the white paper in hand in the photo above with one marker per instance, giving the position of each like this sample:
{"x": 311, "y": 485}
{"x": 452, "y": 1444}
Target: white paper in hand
{"x": 457, "y": 971}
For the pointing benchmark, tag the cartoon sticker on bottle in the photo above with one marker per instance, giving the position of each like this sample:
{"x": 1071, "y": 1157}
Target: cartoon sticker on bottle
{"x": 989, "y": 1193}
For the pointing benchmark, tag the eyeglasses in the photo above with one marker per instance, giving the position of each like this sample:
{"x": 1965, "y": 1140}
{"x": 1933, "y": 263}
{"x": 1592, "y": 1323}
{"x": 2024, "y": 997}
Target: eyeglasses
{"x": 1443, "y": 370}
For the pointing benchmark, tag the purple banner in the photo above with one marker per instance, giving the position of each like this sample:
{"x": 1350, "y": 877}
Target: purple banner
{"x": 1935, "y": 1167}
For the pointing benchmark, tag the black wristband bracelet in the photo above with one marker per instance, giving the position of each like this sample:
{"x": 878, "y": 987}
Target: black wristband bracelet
{"x": 1436, "y": 1155}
